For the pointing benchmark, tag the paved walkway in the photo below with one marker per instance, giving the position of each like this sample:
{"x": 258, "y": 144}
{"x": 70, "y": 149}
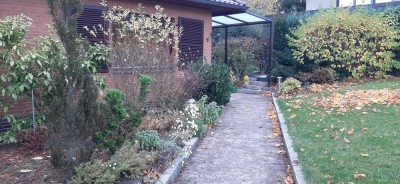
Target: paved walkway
{"x": 238, "y": 150}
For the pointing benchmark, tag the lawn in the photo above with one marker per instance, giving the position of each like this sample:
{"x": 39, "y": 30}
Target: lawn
{"x": 347, "y": 135}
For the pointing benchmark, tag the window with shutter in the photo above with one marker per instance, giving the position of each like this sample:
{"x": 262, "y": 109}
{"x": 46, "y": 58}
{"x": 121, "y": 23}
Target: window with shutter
{"x": 191, "y": 43}
{"x": 91, "y": 17}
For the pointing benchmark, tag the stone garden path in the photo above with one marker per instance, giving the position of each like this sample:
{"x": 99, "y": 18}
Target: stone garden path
{"x": 238, "y": 150}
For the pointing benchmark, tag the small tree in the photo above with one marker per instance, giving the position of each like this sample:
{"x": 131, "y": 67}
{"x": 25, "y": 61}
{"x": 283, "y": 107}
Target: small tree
{"x": 74, "y": 113}
{"x": 361, "y": 41}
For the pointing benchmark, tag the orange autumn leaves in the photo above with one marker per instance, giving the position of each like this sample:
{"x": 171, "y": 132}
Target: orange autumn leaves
{"x": 358, "y": 99}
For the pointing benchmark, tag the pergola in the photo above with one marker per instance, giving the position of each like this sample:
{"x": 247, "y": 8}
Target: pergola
{"x": 245, "y": 19}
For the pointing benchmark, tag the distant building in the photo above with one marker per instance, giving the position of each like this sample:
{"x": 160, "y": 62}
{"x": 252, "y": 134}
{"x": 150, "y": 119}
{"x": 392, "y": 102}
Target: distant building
{"x": 317, "y": 4}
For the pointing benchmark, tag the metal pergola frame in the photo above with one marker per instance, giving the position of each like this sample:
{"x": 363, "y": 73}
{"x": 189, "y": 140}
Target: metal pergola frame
{"x": 243, "y": 22}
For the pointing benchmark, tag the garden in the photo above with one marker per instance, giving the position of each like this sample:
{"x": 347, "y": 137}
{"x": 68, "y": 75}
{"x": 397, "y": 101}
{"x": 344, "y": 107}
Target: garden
{"x": 341, "y": 93}
{"x": 87, "y": 130}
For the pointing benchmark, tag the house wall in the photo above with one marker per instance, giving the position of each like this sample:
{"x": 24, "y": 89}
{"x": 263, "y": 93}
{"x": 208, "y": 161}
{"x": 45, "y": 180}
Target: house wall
{"x": 317, "y": 4}
{"x": 38, "y": 11}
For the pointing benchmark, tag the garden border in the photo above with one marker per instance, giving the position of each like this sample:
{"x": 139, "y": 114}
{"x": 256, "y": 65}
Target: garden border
{"x": 172, "y": 172}
{"x": 297, "y": 171}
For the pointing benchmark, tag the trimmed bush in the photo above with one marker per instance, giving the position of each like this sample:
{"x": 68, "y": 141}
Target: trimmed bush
{"x": 217, "y": 79}
{"x": 361, "y": 41}
{"x": 290, "y": 86}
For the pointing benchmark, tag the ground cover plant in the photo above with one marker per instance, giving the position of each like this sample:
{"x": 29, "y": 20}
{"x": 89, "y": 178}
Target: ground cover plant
{"x": 346, "y": 133}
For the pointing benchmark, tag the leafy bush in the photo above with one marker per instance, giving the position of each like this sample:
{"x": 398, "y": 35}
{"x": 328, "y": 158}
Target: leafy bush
{"x": 290, "y": 86}
{"x": 209, "y": 113}
{"x": 361, "y": 41}
{"x": 241, "y": 61}
{"x": 24, "y": 69}
{"x": 148, "y": 140}
{"x": 217, "y": 79}
{"x": 98, "y": 54}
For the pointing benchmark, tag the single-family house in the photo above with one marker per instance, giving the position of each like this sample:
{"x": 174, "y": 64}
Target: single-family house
{"x": 196, "y": 17}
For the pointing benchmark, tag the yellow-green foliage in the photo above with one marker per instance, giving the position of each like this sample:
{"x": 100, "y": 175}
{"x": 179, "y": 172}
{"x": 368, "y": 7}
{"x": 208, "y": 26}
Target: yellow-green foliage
{"x": 290, "y": 86}
{"x": 361, "y": 41}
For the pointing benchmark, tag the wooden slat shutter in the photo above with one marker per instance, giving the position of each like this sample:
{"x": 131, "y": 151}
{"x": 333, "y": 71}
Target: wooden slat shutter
{"x": 92, "y": 16}
{"x": 191, "y": 43}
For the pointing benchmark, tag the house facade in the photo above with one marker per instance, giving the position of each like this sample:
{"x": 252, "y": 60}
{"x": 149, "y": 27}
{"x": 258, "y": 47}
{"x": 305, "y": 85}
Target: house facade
{"x": 318, "y": 4}
{"x": 195, "y": 16}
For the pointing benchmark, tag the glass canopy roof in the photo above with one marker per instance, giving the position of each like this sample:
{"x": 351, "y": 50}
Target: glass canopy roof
{"x": 239, "y": 19}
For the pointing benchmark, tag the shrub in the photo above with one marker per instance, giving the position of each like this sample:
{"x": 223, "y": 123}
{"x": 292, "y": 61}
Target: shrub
{"x": 24, "y": 69}
{"x": 209, "y": 113}
{"x": 128, "y": 162}
{"x": 148, "y": 140}
{"x": 241, "y": 61}
{"x": 130, "y": 58}
{"x": 217, "y": 79}
{"x": 98, "y": 54}
{"x": 318, "y": 76}
{"x": 110, "y": 137}
{"x": 32, "y": 141}
{"x": 290, "y": 86}
{"x": 96, "y": 171}
{"x": 361, "y": 41}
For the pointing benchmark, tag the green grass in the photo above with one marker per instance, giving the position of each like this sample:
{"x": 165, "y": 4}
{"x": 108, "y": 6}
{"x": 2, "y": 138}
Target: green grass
{"x": 325, "y": 156}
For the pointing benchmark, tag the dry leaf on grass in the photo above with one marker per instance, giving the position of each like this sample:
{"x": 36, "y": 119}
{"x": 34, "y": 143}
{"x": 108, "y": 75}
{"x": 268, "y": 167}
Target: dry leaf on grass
{"x": 364, "y": 154}
{"x": 350, "y": 131}
{"x": 359, "y": 176}
{"x": 346, "y": 140}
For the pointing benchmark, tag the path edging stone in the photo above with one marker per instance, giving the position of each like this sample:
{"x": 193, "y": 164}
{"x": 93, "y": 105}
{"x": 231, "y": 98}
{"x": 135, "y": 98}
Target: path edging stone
{"x": 293, "y": 159}
{"x": 172, "y": 172}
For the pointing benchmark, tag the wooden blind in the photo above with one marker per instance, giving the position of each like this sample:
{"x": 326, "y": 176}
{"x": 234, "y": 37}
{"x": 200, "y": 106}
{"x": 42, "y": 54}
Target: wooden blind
{"x": 91, "y": 17}
{"x": 191, "y": 43}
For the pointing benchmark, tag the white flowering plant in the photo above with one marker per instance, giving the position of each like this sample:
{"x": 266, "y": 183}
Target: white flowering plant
{"x": 187, "y": 124}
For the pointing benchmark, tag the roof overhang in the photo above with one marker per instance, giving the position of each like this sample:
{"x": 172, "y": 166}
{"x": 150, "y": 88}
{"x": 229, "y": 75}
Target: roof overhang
{"x": 240, "y": 19}
{"x": 218, "y": 7}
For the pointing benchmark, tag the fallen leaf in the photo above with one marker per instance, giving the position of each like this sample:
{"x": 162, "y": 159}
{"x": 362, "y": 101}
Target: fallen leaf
{"x": 359, "y": 176}
{"x": 5, "y": 175}
{"x": 292, "y": 116}
{"x": 364, "y": 154}
{"x": 350, "y": 131}
{"x": 346, "y": 141}
{"x": 302, "y": 149}
{"x": 364, "y": 129}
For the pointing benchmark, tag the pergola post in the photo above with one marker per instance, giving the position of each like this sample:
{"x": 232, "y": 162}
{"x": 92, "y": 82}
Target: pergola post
{"x": 226, "y": 45}
{"x": 271, "y": 49}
